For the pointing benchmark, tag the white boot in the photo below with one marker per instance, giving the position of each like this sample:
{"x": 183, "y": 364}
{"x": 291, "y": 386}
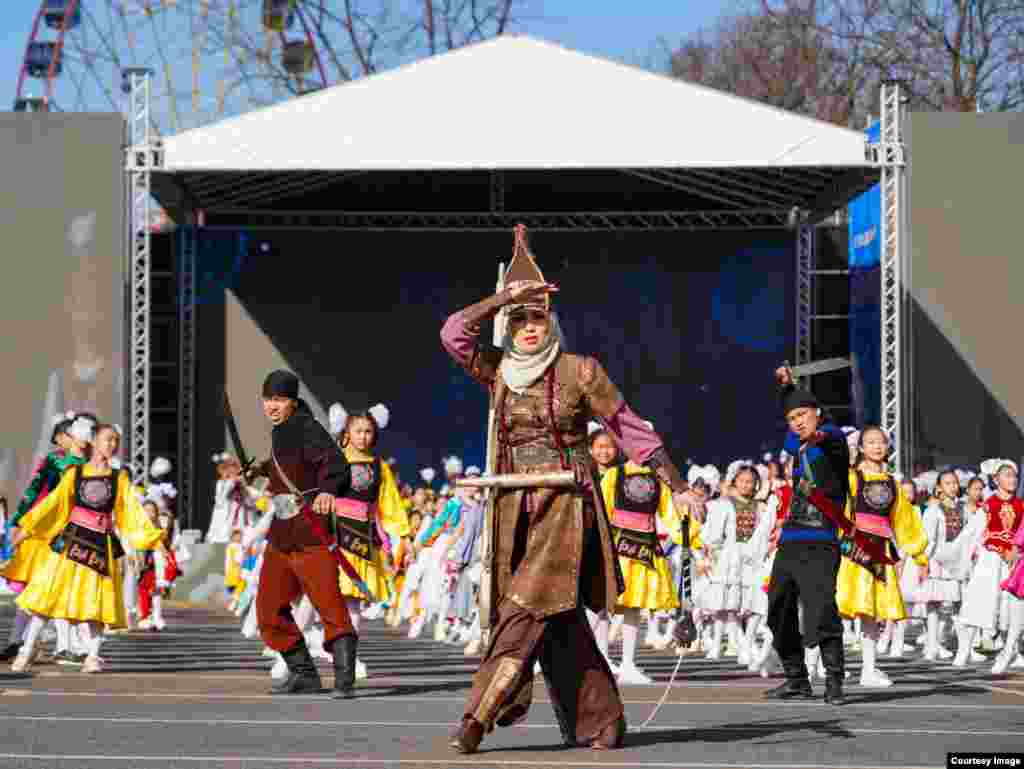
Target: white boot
{"x": 360, "y": 670}
{"x": 965, "y": 645}
{"x": 896, "y": 648}
{"x": 811, "y": 659}
{"x": 715, "y": 652}
{"x": 870, "y": 676}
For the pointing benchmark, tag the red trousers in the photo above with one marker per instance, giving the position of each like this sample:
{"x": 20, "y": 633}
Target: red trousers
{"x": 283, "y": 579}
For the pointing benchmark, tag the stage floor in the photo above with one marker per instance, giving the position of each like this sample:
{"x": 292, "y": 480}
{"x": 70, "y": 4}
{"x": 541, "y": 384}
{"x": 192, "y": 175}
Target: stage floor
{"x": 196, "y": 695}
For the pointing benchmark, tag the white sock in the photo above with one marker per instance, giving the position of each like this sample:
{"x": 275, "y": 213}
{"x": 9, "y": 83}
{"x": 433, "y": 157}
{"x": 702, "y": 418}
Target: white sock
{"x": 896, "y": 645}
{"x": 21, "y": 620}
{"x": 63, "y": 635}
{"x": 32, "y": 633}
{"x": 932, "y": 621}
{"x": 158, "y": 609}
{"x": 869, "y": 646}
{"x": 753, "y": 623}
{"x": 630, "y": 630}
{"x": 92, "y": 634}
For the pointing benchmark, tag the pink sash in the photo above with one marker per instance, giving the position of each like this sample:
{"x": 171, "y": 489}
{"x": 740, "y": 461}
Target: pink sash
{"x": 875, "y": 524}
{"x": 90, "y": 519}
{"x": 633, "y": 521}
{"x": 351, "y": 508}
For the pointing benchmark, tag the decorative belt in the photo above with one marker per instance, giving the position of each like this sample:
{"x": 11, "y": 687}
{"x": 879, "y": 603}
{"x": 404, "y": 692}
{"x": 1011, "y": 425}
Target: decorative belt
{"x": 879, "y": 525}
{"x": 642, "y": 522}
{"x": 93, "y": 520}
{"x": 534, "y": 455}
{"x": 352, "y": 508}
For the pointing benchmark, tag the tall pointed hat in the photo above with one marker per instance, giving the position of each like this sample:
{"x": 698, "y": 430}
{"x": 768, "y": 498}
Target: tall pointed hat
{"x": 523, "y": 267}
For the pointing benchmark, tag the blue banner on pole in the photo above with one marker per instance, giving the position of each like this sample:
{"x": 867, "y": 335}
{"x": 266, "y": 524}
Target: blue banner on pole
{"x": 865, "y": 246}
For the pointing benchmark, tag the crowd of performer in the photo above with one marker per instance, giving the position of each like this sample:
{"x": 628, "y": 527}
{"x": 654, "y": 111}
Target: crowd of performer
{"x": 582, "y": 533}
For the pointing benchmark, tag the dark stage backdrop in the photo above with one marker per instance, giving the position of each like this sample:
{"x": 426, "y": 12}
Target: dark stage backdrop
{"x": 689, "y": 325}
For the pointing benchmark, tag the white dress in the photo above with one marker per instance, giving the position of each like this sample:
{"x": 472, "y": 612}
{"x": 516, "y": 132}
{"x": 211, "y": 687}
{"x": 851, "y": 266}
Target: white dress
{"x": 724, "y": 587}
{"x": 915, "y": 588}
{"x": 753, "y": 552}
{"x": 985, "y": 605}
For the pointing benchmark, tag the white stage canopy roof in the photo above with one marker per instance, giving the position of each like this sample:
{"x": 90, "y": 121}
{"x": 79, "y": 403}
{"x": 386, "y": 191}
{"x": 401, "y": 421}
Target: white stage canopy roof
{"x": 531, "y": 110}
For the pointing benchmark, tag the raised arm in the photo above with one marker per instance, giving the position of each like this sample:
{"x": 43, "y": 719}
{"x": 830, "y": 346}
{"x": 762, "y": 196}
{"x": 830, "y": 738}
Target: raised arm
{"x": 634, "y": 436}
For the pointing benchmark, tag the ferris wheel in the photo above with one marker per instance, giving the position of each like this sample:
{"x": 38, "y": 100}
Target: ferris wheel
{"x": 208, "y": 59}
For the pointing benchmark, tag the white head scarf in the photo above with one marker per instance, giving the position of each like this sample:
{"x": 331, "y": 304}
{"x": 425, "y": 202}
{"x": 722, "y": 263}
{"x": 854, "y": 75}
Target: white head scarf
{"x": 520, "y": 370}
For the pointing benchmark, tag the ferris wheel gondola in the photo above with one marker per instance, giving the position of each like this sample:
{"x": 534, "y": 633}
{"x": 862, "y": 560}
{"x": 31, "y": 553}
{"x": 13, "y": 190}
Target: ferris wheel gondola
{"x": 210, "y": 59}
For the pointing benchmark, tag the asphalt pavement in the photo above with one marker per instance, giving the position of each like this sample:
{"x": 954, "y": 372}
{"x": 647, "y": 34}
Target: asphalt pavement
{"x": 196, "y": 695}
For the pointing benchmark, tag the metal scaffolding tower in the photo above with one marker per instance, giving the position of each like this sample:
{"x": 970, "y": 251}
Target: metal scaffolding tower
{"x": 804, "y": 291}
{"x": 142, "y": 155}
{"x": 891, "y": 156}
{"x": 187, "y": 253}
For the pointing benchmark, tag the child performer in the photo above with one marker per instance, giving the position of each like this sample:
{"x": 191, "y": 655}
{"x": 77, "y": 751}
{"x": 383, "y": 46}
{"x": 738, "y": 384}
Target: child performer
{"x": 370, "y": 512}
{"x": 868, "y": 585}
{"x": 80, "y": 579}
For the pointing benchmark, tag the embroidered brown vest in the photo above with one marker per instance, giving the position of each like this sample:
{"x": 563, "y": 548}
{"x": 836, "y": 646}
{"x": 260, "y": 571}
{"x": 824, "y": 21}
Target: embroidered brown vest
{"x": 356, "y": 517}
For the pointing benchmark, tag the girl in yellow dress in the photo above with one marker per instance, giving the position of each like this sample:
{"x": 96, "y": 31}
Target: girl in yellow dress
{"x": 80, "y": 579}
{"x": 635, "y": 500}
{"x": 370, "y": 514}
{"x": 868, "y": 584}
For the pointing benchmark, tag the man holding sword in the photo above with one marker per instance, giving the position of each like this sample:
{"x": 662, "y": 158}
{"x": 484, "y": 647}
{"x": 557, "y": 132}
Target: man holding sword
{"x": 306, "y": 472}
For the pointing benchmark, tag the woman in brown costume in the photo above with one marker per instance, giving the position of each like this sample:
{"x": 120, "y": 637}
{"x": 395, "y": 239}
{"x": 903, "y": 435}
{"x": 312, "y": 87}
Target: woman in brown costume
{"x": 550, "y": 550}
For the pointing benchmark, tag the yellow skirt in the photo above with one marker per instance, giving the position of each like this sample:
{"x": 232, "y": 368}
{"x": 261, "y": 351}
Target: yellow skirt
{"x": 63, "y": 589}
{"x": 647, "y": 588}
{"x": 373, "y": 573}
{"x": 858, "y": 593}
{"x": 30, "y": 555}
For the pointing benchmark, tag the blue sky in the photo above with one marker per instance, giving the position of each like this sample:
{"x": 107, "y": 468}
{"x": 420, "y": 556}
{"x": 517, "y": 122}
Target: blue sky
{"x": 603, "y": 27}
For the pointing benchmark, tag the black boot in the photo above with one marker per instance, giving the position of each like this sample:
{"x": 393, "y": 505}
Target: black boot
{"x": 797, "y": 685}
{"x": 344, "y": 651}
{"x": 834, "y": 658}
{"x": 10, "y": 652}
{"x": 302, "y": 677}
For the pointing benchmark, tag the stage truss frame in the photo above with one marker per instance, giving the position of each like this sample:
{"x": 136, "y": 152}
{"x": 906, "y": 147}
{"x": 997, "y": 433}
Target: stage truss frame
{"x": 888, "y": 156}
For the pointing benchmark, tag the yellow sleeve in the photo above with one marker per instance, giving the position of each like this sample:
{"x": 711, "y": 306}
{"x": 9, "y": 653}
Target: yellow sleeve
{"x": 909, "y": 529}
{"x": 132, "y": 521}
{"x": 608, "y": 488}
{"x": 393, "y": 515}
{"x": 669, "y": 516}
{"x": 696, "y": 543}
{"x": 50, "y": 515}
{"x": 851, "y": 496}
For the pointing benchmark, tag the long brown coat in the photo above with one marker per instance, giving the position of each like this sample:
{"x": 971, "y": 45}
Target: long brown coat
{"x": 535, "y": 556}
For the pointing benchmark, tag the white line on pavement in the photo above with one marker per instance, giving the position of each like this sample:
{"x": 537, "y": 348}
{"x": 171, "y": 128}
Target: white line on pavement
{"x": 348, "y": 761}
{"x": 424, "y": 725}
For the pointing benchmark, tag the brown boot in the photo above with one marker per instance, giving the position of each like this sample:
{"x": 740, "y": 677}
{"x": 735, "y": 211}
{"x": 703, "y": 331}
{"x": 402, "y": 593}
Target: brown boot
{"x": 611, "y": 737}
{"x": 468, "y": 736}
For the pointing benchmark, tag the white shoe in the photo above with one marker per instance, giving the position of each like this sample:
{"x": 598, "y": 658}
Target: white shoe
{"x": 631, "y": 674}
{"x": 743, "y": 658}
{"x": 145, "y": 624}
{"x": 960, "y": 661}
{"x": 159, "y": 624}
{"x": 1001, "y": 664}
{"x": 416, "y": 627}
{"x": 472, "y": 648}
{"x": 1018, "y": 662}
{"x": 21, "y": 664}
{"x": 440, "y": 631}
{"x": 92, "y": 664}
{"x": 874, "y": 679}
{"x": 374, "y": 612}
{"x": 944, "y": 653}
{"x": 882, "y": 647}
{"x": 978, "y": 657}
{"x": 360, "y": 670}
{"x": 280, "y": 669}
